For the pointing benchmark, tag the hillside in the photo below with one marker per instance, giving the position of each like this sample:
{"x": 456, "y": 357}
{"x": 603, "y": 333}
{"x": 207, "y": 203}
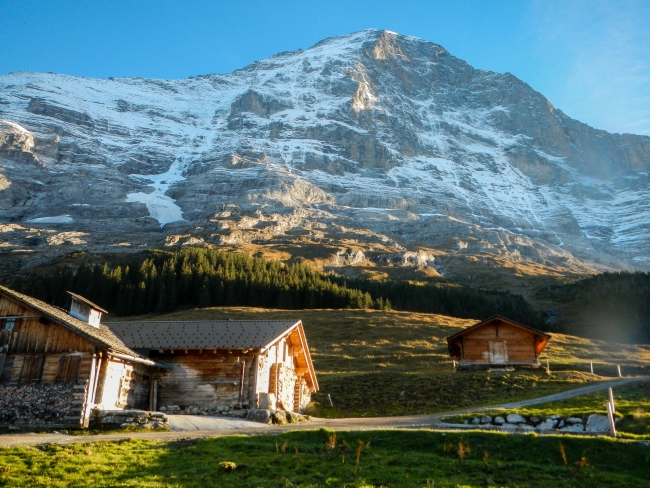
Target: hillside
{"x": 386, "y": 362}
{"x": 374, "y": 153}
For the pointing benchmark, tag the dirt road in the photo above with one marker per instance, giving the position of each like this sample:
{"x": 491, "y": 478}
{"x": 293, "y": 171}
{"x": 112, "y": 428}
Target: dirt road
{"x": 195, "y": 427}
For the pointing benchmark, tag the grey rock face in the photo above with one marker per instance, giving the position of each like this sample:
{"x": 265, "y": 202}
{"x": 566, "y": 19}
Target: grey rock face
{"x": 548, "y": 424}
{"x": 597, "y": 423}
{"x": 515, "y": 418}
{"x": 372, "y": 137}
{"x": 260, "y": 415}
{"x": 573, "y": 428}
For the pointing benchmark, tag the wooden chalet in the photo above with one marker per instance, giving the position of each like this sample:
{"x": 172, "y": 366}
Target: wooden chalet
{"x": 497, "y": 342}
{"x": 55, "y": 366}
{"x": 236, "y": 364}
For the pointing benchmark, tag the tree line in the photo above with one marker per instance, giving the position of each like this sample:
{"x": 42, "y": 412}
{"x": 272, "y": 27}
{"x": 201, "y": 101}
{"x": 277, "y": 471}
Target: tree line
{"x": 160, "y": 282}
{"x": 609, "y": 306}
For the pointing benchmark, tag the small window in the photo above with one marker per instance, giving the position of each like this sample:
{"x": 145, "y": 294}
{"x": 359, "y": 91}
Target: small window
{"x": 9, "y": 324}
{"x": 68, "y": 369}
{"x": 32, "y": 369}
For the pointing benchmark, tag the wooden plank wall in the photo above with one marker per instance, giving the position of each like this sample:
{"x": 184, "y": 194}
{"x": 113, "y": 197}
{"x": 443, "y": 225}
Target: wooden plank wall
{"x": 32, "y": 337}
{"x": 520, "y": 343}
{"x": 116, "y": 375}
{"x": 204, "y": 378}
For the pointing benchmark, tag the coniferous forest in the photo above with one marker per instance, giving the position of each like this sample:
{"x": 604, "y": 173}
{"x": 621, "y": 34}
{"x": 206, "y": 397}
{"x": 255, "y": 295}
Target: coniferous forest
{"x": 609, "y": 306}
{"x": 160, "y": 282}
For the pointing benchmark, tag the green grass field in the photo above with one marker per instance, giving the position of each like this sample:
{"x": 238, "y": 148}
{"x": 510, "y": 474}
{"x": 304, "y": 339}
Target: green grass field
{"x": 342, "y": 459}
{"x": 632, "y": 407}
{"x": 395, "y": 363}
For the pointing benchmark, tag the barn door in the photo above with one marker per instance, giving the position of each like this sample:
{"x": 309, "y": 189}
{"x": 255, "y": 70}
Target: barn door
{"x": 499, "y": 352}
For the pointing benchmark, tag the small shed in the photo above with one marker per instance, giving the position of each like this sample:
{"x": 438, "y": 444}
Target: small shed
{"x": 237, "y": 364}
{"x": 498, "y": 342}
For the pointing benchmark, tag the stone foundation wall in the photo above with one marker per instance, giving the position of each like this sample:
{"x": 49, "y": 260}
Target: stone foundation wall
{"x": 212, "y": 410}
{"x": 305, "y": 397}
{"x": 42, "y": 404}
{"x": 128, "y": 418}
{"x": 286, "y": 386}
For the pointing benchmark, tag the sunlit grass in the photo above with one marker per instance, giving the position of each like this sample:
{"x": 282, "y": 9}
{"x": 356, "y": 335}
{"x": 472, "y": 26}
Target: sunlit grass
{"x": 322, "y": 458}
{"x": 365, "y": 359}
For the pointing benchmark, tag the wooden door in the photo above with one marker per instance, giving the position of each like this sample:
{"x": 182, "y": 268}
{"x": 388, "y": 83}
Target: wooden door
{"x": 499, "y": 353}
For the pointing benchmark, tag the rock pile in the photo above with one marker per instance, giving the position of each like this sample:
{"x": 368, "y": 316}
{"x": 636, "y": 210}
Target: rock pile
{"x": 279, "y": 417}
{"x": 128, "y": 418}
{"x": 211, "y": 410}
{"x": 43, "y": 405}
{"x": 595, "y": 423}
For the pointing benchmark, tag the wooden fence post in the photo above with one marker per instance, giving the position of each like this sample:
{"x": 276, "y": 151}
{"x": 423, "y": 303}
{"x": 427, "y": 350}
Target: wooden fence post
{"x": 548, "y": 368}
{"x": 619, "y": 370}
{"x": 610, "y": 416}
{"x": 591, "y": 363}
{"x": 454, "y": 361}
{"x": 611, "y": 400}
{"x": 330, "y": 399}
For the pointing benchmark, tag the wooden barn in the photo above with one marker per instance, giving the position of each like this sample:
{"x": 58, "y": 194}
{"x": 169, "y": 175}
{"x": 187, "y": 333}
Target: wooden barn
{"x": 226, "y": 364}
{"x": 55, "y": 367}
{"x": 497, "y": 342}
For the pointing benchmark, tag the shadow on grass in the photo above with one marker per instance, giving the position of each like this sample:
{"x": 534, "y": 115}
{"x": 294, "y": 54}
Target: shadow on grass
{"x": 324, "y": 458}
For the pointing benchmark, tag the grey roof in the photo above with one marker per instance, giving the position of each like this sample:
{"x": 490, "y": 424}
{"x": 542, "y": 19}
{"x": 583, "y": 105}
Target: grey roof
{"x": 101, "y": 336}
{"x": 202, "y": 334}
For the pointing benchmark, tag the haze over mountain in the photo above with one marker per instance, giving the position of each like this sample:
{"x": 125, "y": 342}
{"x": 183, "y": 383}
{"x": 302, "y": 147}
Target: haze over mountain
{"x": 371, "y": 149}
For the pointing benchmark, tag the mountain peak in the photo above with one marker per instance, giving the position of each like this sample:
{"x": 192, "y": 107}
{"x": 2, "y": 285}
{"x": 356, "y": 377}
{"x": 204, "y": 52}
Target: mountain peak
{"x": 370, "y": 146}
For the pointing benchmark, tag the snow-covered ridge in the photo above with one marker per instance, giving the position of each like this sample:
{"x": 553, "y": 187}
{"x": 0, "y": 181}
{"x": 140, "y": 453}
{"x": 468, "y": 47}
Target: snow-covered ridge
{"x": 372, "y": 120}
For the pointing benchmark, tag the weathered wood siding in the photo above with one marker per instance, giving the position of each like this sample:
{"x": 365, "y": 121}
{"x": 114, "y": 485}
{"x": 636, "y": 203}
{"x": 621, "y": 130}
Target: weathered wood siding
{"x": 204, "y": 379}
{"x": 518, "y": 342}
{"x": 123, "y": 385}
{"x": 31, "y": 337}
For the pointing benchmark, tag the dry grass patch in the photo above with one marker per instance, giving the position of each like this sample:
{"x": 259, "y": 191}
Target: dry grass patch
{"x": 386, "y": 362}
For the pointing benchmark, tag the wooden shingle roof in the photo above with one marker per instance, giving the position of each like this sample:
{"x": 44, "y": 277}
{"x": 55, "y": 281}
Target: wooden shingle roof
{"x": 203, "y": 334}
{"x": 102, "y": 336}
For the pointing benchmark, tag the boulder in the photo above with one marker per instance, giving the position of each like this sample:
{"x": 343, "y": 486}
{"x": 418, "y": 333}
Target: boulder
{"x": 293, "y": 418}
{"x": 486, "y": 419}
{"x": 573, "y": 428}
{"x": 260, "y": 415}
{"x": 597, "y": 423}
{"x": 573, "y": 420}
{"x": 279, "y": 417}
{"x": 508, "y": 425}
{"x": 476, "y": 421}
{"x": 515, "y": 418}
{"x": 499, "y": 420}
{"x": 548, "y": 424}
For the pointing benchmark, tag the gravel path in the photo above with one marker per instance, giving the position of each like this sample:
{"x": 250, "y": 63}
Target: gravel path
{"x": 195, "y": 427}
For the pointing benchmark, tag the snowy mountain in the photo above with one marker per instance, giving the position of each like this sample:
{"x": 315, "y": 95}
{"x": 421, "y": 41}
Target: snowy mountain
{"x": 367, "y": 149}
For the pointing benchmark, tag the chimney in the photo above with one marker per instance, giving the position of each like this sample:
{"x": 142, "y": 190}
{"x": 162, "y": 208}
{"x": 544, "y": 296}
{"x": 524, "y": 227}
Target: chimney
{"x": 85, "y": 310}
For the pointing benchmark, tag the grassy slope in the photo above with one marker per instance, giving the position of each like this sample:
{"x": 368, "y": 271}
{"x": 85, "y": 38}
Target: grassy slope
{"x": 632, "y": 406}
{"x": 392, "y": 363}
{"x": 317, "y": 458}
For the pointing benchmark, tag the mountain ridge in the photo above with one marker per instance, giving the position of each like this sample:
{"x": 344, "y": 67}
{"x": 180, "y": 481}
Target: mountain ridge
{"x": 363, "y": 148}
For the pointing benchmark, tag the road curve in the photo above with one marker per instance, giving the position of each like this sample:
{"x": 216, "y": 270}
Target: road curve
{"x": 197, "y": 427}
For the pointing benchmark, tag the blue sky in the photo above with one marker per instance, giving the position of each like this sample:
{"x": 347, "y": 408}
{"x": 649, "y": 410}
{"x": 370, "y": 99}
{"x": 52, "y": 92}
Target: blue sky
{"x": 589, "y": 58}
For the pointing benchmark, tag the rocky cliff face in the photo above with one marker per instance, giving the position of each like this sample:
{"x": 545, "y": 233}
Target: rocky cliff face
{"x": 368, "y": 149}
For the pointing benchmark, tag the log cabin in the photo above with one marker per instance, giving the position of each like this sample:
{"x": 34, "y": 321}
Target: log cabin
{"x": 55, "y": 366}
{"x": 234, "y": 364}
{"x": 497, "y": 342}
